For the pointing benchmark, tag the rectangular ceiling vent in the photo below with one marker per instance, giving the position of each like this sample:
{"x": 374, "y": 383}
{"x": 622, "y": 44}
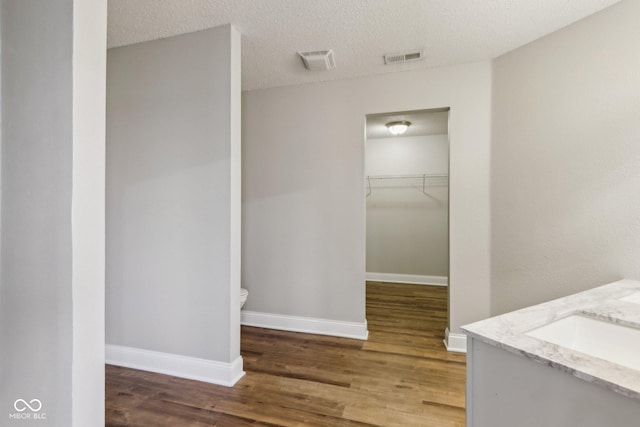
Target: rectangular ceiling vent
{"x": 318, "y": 60}
{"x": 397, "y": 58}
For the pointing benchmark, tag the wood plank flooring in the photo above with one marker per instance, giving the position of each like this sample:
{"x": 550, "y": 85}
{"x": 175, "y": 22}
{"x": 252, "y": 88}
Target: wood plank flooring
{"x": 401, "y": 376}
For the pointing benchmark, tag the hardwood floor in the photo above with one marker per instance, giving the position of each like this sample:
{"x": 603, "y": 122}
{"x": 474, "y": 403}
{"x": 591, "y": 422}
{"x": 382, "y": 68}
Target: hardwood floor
{"x": 401, "y": 376}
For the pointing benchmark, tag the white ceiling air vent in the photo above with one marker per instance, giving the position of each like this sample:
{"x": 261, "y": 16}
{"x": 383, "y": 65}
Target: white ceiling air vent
{"x": 319, "y": 60}
{"x": 396, "y": 58}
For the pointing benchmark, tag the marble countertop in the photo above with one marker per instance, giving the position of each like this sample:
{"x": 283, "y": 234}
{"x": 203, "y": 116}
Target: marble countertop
{"x": 507, "y": 332}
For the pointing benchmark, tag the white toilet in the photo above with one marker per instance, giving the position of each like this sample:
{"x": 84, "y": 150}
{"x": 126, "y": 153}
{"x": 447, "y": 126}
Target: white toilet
{"x": 243, "y": 296}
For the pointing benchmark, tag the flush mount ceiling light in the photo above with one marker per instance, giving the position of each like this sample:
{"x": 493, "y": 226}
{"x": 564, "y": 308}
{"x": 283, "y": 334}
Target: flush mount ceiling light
{"x": 399, "y": 127}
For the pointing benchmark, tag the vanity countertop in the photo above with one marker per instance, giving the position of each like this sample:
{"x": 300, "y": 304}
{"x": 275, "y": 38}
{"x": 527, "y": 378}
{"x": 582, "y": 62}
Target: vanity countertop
{"x": 508, "y": 331}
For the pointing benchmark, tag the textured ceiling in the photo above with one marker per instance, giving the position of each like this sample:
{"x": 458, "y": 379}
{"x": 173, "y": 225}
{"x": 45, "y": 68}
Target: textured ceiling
{"x": 359, "y": 31}
{"x": 423, "y": 122}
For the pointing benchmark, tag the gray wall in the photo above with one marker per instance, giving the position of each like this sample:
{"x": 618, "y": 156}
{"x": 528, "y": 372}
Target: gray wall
{"x": 44, "y": 298}
{"x": 88, "y": 209}
{"x": 35, "y": 301}
{"x": 304, "y": 199}
{"x": 173, "y": 195}
{"x": 565, "y": 161}
{"x": 407, "y": 230}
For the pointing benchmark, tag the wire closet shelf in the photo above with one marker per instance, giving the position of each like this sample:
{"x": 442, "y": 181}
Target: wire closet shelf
{"x": 420, "y": 181}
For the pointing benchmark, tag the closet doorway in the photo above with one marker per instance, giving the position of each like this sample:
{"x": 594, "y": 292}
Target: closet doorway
{"x": 407, "y": 200}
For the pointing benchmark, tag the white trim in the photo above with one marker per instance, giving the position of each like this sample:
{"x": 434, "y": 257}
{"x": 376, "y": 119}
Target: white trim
{"x": 408, "y": 278}
{"x": 193, "y": 368}
{"x": 305, "y": 324}
{"x": 455, "y": 342}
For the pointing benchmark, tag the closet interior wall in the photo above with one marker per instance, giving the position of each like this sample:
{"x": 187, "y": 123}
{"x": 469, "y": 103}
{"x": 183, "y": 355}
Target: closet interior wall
{"x": 407, "y": 205}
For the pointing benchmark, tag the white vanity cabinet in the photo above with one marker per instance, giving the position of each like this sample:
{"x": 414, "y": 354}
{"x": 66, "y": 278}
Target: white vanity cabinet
{"x": 517, "y": 379}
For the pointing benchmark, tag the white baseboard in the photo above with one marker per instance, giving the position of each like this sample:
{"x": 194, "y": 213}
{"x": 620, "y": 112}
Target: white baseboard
{"x": 455, "y": 342}
{"x": 408, "y": 278}
{"x": 210, "y": 371}
{"x": 305, "y": 324}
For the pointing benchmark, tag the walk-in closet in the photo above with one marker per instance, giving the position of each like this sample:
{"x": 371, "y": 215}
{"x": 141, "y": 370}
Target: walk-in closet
{"x": 407, "y": 197}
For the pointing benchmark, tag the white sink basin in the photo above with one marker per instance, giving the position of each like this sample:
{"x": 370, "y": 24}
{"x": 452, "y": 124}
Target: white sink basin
{"x": 634, "y": 298}
{"x": 608, "y": 341}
